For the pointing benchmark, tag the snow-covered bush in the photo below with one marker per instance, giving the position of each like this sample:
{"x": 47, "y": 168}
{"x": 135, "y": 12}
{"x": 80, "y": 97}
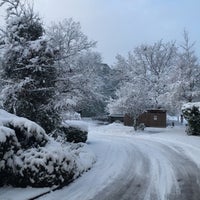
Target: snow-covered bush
{"x": 28, "y": 133}
{"x": 8, "y": 147}
{"x": 72, "y": 131}
{"x": 16, "y": 134}
{"x": 28, "y": 156}
{"x": 8, "y": 141}
{"x": 75, "y": 131}
{"x": 191, "y": 112}
{"x": 41, "y": 167}
{"x": 74, "y": 134}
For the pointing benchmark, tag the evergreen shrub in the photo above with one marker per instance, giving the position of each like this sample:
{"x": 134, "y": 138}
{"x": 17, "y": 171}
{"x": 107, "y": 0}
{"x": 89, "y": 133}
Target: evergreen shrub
{"x": 191, "y": 112}
{"x": 72, "y": 134}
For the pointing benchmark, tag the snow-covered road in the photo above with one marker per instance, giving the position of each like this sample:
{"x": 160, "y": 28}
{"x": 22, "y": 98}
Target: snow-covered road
{"x": 148, "y": 166}
{"x": 159, "y": 164}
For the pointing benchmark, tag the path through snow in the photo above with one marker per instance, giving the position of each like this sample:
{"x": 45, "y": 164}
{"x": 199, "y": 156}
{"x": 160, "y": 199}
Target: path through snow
{"x": 143, "y": 166}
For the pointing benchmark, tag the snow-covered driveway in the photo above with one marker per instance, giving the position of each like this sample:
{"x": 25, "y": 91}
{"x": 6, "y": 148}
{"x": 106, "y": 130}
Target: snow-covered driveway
{"x": 159, "y": 164}
{"x": 145, "y": 166}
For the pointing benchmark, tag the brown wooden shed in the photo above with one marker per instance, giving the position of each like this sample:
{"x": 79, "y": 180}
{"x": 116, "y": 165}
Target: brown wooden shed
{"x": 151, "y": 118}
{"x": 154, "y": 118}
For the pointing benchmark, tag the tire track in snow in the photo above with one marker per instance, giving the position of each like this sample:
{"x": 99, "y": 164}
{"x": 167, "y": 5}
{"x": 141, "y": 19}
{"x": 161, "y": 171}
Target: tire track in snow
{"x": 136, "y": 168}
{"x": 177, "y": 177}
{"x": 131, "y": 181}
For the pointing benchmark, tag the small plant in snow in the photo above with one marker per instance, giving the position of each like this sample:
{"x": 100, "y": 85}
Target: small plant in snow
{"x": 141, "y": 127}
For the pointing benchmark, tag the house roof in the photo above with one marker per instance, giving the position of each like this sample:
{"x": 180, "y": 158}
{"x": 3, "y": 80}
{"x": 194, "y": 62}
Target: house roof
{"x": 156, "y": 111}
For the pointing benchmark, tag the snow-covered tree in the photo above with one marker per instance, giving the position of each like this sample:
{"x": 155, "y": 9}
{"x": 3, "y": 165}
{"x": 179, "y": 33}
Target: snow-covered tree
{"x": 69, "y": 39}
{"x": 28, "y": 67}
{"x": 121, "y": 70}
{"x": 144, "y": 79}
{"x": 155, "y": 63}
{"x": 130, "y": 100}
{"x": 131, "y": 89}
{"x": 91, "y": 83}
{"x": 188, "y": 84}
{"x": 79, "y": 84}
{"x": 184, "y": 78}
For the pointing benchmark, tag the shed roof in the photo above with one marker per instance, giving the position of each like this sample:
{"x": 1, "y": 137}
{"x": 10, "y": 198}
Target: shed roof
{"x": 156, "y": 111}
{"x": 116, "y": 115}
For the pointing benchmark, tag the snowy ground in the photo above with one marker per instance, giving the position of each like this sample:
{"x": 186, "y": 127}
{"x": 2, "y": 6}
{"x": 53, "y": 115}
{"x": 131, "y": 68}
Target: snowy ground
{"x": 158, "y": 164}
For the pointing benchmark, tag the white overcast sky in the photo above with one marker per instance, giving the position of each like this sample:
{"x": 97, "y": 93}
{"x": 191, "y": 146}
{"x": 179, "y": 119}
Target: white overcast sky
{"x": 120, "y": 25}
